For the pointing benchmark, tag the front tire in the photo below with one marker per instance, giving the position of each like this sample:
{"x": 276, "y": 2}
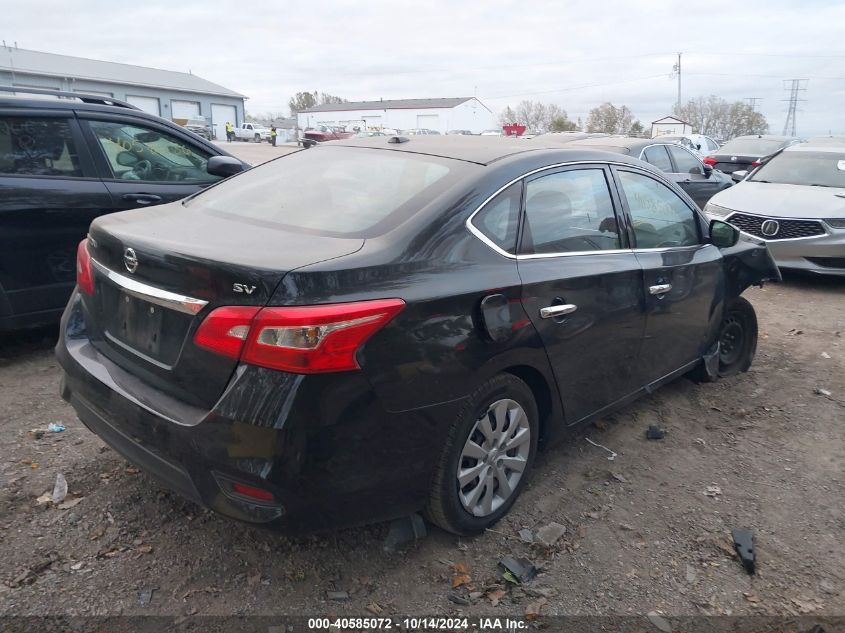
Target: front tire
{"x": 737, "y": 338}
{"x": 488, "y": 453}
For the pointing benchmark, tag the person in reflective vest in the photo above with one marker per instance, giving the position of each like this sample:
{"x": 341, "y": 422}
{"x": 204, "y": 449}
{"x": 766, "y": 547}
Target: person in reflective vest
{"x": 273, "y": 135}
{"x": 230, "y": 132}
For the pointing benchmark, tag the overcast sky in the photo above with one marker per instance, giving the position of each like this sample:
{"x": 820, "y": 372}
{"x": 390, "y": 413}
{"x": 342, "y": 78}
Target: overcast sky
{"x": 575, "y": 53}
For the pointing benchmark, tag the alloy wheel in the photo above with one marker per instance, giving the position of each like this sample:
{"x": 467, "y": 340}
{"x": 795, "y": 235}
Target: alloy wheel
{"x": 494, "y": 458}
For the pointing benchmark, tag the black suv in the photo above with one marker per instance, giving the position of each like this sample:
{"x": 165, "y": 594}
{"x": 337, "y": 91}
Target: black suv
{"x": 67, "y": 160}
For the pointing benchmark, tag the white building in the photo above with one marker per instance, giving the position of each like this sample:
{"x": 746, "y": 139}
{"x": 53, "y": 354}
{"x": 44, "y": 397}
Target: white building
{"x": 670, "y": 125}
{"x": 460, "y": 113}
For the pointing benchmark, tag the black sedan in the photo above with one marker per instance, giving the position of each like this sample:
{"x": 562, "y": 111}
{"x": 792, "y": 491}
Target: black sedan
{"x": 744, "y": 153}
{"x": 381, "y": 326}
{"x": 700, "y": 181}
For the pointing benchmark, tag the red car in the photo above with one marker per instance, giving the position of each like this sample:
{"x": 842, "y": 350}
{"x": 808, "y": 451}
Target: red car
{"x": 324, "y": 133}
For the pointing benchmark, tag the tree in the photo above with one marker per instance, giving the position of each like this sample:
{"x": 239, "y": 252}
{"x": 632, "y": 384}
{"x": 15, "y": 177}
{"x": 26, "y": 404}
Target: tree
{"x": 538, "y": 116}
{"x": 507, "y": 116}
{"x": 609, "y": 119}
{"x": 636, "y": 129}
{"x": 714, "y": 116}
{"x": 305, "y": 100}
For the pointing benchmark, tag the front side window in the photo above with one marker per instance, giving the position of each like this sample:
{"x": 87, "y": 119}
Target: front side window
{"x": 37, "y": 147}
{"x": 685, "y": 162}
{"x": 569, "y": 211}
{"x": 499, "y": 219}
{"x": 137, "y": 153}
{"x": 657, "y": 156}
{"x": 660, "y": 218}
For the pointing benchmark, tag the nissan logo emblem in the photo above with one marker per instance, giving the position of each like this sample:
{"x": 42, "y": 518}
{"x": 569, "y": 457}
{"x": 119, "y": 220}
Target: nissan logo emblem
{"x": 130, "y": 260}
{"x": 770, "y": 228}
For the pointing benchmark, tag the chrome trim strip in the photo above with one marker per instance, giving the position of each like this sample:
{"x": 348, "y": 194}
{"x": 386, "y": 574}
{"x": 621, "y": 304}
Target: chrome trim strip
{"x": 826, "y": 233}
{"x": 474, "y": 230}
{"x": 163, "y": 298}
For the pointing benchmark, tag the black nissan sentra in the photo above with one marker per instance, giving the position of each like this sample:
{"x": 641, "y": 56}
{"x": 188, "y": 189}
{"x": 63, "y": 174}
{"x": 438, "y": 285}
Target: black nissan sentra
{"x": 382, "y": 326}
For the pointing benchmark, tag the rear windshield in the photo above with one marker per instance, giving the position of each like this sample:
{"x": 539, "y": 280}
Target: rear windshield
{"x": 751, "y": 147}
{"x": 823, "y": 169}
{"x": 337, "y": 191}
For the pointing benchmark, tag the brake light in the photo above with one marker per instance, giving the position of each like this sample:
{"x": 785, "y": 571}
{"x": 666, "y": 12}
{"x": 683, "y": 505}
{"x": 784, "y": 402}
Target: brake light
{"x": 756, "y": 163}
{"x": 709, "y": 160}
{"x": 84, "y": 274}
{"x": 225, "y": 330}
{"x": 297, "y": 339}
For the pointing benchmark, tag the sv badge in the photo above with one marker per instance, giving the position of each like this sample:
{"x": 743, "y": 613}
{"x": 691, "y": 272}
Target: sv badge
{"x": 243, "y": 288}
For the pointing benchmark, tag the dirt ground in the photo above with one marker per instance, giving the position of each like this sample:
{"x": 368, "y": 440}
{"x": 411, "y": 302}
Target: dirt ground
{"x": 647, "y": 531}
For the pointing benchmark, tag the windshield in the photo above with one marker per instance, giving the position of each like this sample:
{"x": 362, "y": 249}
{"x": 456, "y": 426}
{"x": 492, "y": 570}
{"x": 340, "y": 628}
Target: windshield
{"x": 751, "y": 147}
{"x": 824, "y": 169}
{"x": 337, "y": 191}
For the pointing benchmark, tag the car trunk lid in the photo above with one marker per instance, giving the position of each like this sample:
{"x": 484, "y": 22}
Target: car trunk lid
{"x": 158, "y": 272}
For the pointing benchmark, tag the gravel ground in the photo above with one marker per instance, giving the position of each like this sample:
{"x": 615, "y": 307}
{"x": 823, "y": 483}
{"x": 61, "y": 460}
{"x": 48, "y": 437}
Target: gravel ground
{"x": 647, "y": 531}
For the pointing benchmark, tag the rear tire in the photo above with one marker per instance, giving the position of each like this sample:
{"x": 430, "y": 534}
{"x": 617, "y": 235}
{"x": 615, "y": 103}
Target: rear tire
{"x": 490, "y": 449}
{"x": 257, "y": 138}
{"x": 737, "y": 338}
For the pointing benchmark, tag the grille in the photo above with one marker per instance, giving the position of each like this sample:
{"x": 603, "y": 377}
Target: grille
{"x": 787, "y": 229}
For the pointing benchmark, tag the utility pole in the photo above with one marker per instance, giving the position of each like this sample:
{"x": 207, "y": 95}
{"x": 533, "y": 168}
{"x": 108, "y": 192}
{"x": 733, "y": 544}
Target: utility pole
{"x": 795, "y": 87}
{"x": 677, "y": 69}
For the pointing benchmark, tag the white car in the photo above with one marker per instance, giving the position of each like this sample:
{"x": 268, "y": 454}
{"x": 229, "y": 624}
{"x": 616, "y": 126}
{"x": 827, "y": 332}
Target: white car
{"x": 796, "y": 202}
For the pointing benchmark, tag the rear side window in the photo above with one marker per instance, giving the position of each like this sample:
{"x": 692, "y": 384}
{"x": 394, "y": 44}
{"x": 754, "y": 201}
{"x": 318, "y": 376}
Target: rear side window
{"x": 657, "y": 156}
{"x": 685, "y": 162}
{"x": 499, "y": 219}
{"x": 568, "y": 212}
{"x": 660, "y": 218}
{"x": 37, "y": 147}
{"x": 340, "y": 191}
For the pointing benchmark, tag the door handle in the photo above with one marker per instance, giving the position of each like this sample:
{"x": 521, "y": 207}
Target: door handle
{"x": 659, "y": 290}
{"x": 557, "y": 310}
{"x": 142, "y": 198}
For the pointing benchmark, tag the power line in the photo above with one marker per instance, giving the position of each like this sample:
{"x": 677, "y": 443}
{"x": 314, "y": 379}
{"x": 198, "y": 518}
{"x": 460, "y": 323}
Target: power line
{"x": 794, "y": 88}
{"x": 752, "y": 101}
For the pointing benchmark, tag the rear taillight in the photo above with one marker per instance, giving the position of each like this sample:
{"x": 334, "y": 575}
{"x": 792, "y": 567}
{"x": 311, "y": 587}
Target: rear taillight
{"x": 84, "y": 275}
{"x": 297, "y": 339}
{"x": 225, "y": 330}
{"x": 756, "y": 163}
{"x": 709, "y": 160}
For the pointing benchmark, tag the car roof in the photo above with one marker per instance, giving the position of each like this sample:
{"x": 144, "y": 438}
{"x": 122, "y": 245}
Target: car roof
{"x": 766, "y": 137}
{"x": 622, "y": 144}
{"x": 482, "y": 150}
{"x": 819, "y": 146}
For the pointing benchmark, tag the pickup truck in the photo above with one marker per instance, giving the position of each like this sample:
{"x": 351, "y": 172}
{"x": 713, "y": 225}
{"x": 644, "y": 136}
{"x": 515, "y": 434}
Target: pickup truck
{"x": 252, "y": 132}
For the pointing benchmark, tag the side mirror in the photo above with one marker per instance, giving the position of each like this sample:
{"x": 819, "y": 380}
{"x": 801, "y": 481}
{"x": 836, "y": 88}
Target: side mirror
{"x": 147, "y": 137}
{"x": 722, "y": 234}
{"x": 224, "y": 166}
{"x": 739, "y": 175}
{"x": 698, "y": 146}
{"x": 708, "y": 170}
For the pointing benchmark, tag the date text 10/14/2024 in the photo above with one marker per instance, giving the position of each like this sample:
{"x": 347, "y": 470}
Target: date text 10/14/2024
{"x": 415, "y": 624}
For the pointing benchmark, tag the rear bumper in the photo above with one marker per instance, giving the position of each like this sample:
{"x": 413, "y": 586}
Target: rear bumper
{"x": 323, "y": 446}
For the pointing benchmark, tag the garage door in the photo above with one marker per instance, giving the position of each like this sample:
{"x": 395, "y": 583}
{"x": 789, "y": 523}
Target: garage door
{"x": 147, "y": 104}
{"x": 184, "y": 109}
{"x": 219, "y": 115}
{"x": 428, "y": 121}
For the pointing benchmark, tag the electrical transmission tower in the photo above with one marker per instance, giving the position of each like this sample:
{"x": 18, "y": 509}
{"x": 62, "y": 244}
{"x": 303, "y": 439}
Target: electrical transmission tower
{"x": 795, "y": 87}
{"x": 752, "y": 101}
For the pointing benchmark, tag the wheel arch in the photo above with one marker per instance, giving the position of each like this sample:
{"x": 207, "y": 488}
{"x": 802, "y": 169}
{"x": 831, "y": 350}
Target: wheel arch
{"x": 546, "y": 397}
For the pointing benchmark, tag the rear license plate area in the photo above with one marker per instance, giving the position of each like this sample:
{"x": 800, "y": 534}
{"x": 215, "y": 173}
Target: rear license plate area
{"x": 138, "y": 324}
